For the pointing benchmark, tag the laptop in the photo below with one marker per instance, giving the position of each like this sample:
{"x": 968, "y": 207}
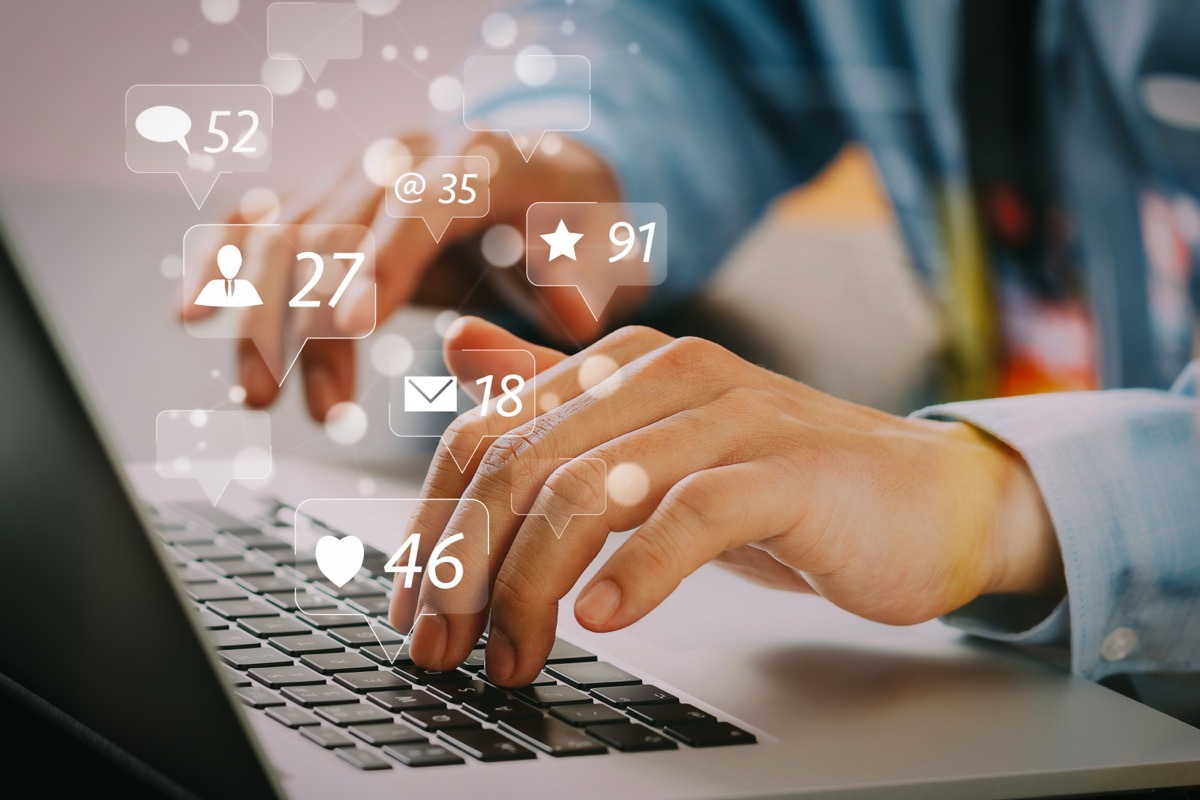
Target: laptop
{"x": 163, "y": 631}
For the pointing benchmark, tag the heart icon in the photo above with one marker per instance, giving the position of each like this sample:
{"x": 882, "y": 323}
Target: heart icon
{"x": 339, "y": 559}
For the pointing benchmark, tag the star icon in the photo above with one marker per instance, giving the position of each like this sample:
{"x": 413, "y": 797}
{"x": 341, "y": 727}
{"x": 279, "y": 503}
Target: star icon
{"x": 562, "y": 242}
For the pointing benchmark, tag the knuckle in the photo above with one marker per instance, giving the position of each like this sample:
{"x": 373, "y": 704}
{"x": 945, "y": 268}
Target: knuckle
{"x": 503, "y": 457}
{"x": 688, "y": 353}
{"x": 578, "y": 484}
{"x": 660, "y": 553}
{"x": 516, "y": 593}
{"x": 464, "y": 434}
{"x": 631, "y": 335}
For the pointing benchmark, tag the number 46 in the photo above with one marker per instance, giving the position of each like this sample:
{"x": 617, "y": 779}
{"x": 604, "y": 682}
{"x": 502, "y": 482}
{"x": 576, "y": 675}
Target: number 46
{"x": 411, "y": 545}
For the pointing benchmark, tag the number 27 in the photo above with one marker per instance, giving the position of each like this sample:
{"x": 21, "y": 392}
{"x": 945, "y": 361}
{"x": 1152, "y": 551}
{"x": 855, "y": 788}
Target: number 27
{"x": 318, "y": 270}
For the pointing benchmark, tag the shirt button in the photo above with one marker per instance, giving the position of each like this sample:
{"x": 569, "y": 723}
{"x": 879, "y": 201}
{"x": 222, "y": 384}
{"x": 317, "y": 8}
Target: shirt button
{"x": 1118, "y": 644}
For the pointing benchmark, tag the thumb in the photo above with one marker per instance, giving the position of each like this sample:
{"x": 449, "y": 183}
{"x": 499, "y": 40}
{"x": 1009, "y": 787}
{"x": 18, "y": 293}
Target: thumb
{"x": 475, "y": 347}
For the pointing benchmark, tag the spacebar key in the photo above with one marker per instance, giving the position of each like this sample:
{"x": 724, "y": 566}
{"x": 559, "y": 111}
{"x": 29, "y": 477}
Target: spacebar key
{"x": 553, "y": 737}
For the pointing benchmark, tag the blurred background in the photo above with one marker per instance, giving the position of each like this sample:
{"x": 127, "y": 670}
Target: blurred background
{"x": 820, "y": 291}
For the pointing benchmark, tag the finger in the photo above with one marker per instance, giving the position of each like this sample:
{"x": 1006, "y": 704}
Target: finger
{"x": 702, "y": 516}
{"x": 468, "y": 336}
{"x": 328, "y": 374}
{"x": 613, "y": 487}
{"x": 758, "y": 566}
{"x": 260, "y": 354}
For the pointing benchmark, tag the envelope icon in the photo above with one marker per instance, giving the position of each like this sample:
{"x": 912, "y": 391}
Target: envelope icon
{"x": 431, "y": 393}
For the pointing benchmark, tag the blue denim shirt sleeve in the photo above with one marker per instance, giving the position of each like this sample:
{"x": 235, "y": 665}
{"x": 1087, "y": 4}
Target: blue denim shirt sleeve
{"x": 701, "y": 106}
{"x": 1120, "y": 474}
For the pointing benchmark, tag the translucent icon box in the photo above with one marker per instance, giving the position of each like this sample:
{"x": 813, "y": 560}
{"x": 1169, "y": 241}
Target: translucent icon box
{"x": 596, "y": 247}
{"x": 494, "y": 392}
{"x": 437, "y": 547}
{"x": 314, "y": 33}
{"x": 280, "y": 286}
{"x": 213, "y": 447}
{"x": 441, "y": 189}
{"x": 198, "y": 131}
{"x": 557, "y": 490}
{"x": 556, "y": 95}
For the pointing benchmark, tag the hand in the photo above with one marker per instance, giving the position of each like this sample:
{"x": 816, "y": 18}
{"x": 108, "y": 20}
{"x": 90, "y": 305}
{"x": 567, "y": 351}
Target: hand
{"x": 410, "y": 266}
{"x": 897, "y": 520}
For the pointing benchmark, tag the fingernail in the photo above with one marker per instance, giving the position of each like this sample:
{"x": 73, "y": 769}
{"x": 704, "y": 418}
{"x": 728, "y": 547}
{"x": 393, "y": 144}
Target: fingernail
{"x": 501, "y": 658}
{"x": 455, "y": 329}
{"x": 321, "y": 392}
{"x": 598, "y": 603}
{"x": 429, "y": 638}
{"x": 256, "y": 380}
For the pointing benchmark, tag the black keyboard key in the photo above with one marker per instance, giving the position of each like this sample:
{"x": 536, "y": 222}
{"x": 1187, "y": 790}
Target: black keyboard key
{"x": 329, "y": 738}
{"x": 375, "y": 605}
{"x": 436, "y": 719}
{"x": 251, "y": 540}
{"x": 294, "y": 601}
{"x": 211, "y": 518}
{"x": 241, "y": 567}
{"x": 422, "y": 755}
{"x": 234, "y": 677}
{"x": 333, "y": 618}
{"x": 195, "y": 574}
{"x": 630, "y": 738}
{"x": 184, "y": 535}
{"x": 287, "y": 558}
{"x": 217, "y": 590}
{"x": 389, "y": 656}
{"x": 323, "y": 695}
{"x": 486, "y": 745}
{"x": 710, "y": 734}
{"x": 305, "y": 643}
{"x": 636, "y": 695}
{"x": 375, "y": 680}
{"x": 362, "y": 759}
{"x": 210, "y": 552}
{"x": 237, "y": 609}
{"x": 554, "y": 695}
{"x": 425, "y": 677}
{"x": 475, "y": 661}
{"x": 211, "y": 622}
{"x": 279, "y": 677}
{"x": 465, "y": 689}
{"x": 364, "y": 635}
{"x": 292, "y": 717}
{"x": 333, "y": 663}
{"x": 494, "y": 710}
{"x": 404, "y": 699}
{"x": 667, "y": 713}
{"x": 382, "y": 733}
{"x": 256, "y": 657}
{"x": 565, "y": 653}
{"x": 266, "y": 627}
{"x": 357, "y": 587}
{"x": 554, "y": 737}
{"x": 591, "y": 674}
{"x": 590, "y": 714}
{"x": 258, "y": 698}
{"x": 266, "y": 584}
{"x": 374, "y": 560}
{"x": 353, "y": 714}
{"x": 231, "y": 639}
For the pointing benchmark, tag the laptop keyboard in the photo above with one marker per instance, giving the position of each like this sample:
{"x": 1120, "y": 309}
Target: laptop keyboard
{"x": 328, "y": 679}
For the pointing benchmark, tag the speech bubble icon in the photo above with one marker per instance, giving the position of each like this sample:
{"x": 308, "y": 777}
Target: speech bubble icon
{"x": 213, "y": 447}
{"x": 232, "y": 131}
{"x": 440, "y": 190}
{"x": 279, "y": 286}
{"x": 165, "y": 124}
{"x": 314, "y": 33}
{"x": 415, "y": 534}
{"x": 554, "y": 93}
{"x": 531, "y": 477}
{"x": 496, "y": 394}
{"x": 596, "y": 247}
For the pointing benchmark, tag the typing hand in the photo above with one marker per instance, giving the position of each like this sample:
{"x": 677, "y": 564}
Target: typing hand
{"x": 897, "y": 520}
{"x": 411, "y": 267}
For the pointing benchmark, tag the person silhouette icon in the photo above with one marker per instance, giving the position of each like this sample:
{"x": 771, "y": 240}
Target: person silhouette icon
{"x": 229, "y": 292}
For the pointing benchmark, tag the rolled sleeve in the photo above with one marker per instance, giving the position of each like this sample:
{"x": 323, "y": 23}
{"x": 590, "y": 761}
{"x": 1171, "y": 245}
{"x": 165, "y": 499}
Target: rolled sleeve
{"x": 1120, "y": 475}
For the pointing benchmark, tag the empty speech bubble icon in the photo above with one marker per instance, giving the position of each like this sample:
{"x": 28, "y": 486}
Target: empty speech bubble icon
{"x": 213, "y": 447}
{"x": 314, "y": 33}
{"x": 164, "y": 124}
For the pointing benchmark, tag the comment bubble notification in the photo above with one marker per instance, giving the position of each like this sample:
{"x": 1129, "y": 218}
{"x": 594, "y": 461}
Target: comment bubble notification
{"x": 596, "y": 247}
{"x": 314, "y": 33}
{"x": 555, "y": 95}
{"x": 557, "y": 490}
{"x": 198, "y": 131}
{"x": 279, "y": 286}
{"x": 441, "y": 189}
{"x": 213, "y": 447}
{"x": 446, "y": 541}
{"x": 494, "y": 392}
